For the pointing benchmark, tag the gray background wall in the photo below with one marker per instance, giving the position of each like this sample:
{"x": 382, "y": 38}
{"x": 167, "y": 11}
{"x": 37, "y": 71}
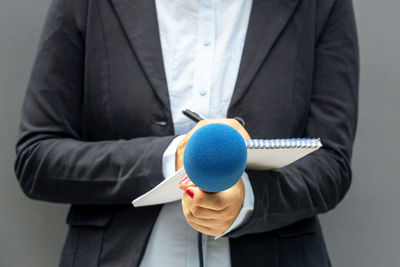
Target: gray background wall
{"x": 362, "y": 231}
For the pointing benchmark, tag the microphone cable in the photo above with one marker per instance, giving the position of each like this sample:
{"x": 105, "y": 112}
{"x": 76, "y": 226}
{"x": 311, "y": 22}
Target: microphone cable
{"x": 200, "y": 249}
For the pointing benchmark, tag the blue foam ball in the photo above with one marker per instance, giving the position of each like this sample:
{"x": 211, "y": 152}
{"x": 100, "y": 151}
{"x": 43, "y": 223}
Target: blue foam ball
{"x": 215, "y": 157}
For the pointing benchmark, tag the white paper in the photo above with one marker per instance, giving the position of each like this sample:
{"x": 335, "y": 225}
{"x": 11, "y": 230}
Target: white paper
{"x": 166, "y": 191}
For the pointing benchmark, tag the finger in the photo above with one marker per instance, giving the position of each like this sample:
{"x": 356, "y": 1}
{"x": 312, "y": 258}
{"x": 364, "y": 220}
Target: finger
{"x": 204, "y": 230}
{"x": 181, "y": 147}
{"x": 214, "y": 201}
{"x": 231, "y": 197}
{"x": 244, "y": 134}
{"x": 239, "y": 127}
{"x": 179, "y": 163}
{"x": 188, "y": 195}
{"x": 209, "y": 223}
{"x": 231, "y": 122}
{"x": 186, "y": 183}
{"x": 190, "y": 218}
{"x": 179, "y": 154}
{"x": 212, "y": 227}
{"x": 190, "y": 208}
{"x": 204, "y": 213}
{"x": 184, "y": 187}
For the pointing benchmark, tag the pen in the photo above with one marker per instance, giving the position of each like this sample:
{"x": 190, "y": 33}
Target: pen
{"x": 193, "y": 115}
{"x": 196, "y": 117}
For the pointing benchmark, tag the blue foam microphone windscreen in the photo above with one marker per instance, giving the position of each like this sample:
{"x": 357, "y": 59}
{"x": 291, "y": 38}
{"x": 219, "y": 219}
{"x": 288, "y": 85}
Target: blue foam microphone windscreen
{"x": 215, "y": 157}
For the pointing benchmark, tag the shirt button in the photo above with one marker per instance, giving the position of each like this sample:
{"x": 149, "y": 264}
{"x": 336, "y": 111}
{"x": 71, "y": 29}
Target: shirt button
{"x": 207, "y": 43}
{"x": 203, "y": 92}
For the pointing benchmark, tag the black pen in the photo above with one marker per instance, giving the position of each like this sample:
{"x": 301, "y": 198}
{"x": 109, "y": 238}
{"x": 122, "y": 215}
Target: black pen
{"x": 192, "y": 115}
{"x": 196, "y": 117}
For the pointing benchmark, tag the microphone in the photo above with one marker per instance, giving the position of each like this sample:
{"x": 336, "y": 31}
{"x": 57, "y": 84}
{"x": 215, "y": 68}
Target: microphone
{"x": 215, "y": 157}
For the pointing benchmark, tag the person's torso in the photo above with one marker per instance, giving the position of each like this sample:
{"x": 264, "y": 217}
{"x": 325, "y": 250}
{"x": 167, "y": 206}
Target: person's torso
{"x": 126, "y": 96}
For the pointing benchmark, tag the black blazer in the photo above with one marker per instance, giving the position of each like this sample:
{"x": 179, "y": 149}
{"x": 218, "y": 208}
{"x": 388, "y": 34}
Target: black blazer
{"x": 96, "y": 121}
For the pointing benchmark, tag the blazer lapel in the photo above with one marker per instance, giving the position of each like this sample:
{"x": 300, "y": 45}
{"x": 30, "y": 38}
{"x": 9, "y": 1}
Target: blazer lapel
{"x": 139, "y": 22}
{"x": 267, "y": 19}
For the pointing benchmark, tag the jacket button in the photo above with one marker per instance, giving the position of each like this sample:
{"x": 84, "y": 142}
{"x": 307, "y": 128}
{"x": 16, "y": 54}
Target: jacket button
{"x": 161, "y": 123}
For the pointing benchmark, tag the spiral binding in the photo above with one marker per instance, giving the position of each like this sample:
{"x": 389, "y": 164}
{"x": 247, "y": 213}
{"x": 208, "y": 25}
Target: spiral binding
{"x": 283, "y": 143}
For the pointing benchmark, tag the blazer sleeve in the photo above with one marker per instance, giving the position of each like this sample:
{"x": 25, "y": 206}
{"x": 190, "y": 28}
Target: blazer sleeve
{"x": 53, "y": 162}
{"x": 319, "y": 181}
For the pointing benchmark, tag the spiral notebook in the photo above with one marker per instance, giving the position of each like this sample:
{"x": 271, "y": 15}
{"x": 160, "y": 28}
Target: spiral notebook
{"x": 262, "y": 154}
{"x": 267, "y": 154}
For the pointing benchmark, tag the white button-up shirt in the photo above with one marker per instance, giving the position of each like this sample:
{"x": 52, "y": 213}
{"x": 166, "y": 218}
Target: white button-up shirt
{"x": 202, "y": 43}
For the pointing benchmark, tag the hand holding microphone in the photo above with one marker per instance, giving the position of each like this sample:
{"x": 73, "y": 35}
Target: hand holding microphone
{"x": 215, "y": 159}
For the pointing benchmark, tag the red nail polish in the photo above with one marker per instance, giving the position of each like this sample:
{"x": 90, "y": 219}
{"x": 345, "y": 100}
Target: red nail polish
{"x": 190, "y": 193}
{"x": 185, "y": 181}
